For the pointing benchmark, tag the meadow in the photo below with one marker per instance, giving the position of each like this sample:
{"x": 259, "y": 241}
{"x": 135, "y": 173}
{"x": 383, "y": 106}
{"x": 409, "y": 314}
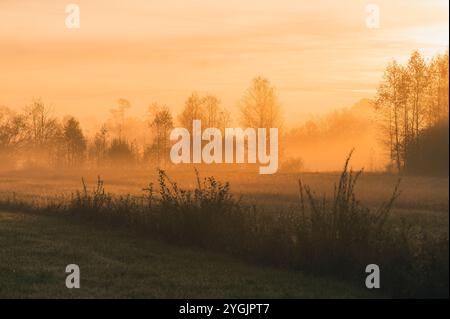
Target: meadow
{"x": 423, "y": 200}
{"x": 419, "y": 194}
{"x": 87, "y": 117}
{"x": 119, "y": 264}
{"x": 420, "y": 210}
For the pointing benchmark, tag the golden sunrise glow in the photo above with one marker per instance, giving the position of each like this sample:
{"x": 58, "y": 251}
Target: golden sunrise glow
{"x": 319, "y": 55}
{"x": 191, "y": 149}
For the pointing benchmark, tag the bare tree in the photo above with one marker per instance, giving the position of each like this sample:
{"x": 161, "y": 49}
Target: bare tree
{"x": 438, "y": 89}
{"x": 43, "y": 131}
{"x": 391, "y": 101}
{"x": 99, "y": 146}
{"x": 12, "y": 135}
{"x": 260, "y": 107}
{"x": 215, "y": 115}
{"x": 413, "y": 102}
{"x": 193, "y": 110}
{"x": 418, "y": 80}
{"x": 118, "y": 117}
{"x": 161, "y": 123}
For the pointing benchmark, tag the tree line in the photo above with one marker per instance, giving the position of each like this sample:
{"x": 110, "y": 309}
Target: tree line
{"x": 412, "y": 107}
{"x": 413, "y": 104}
{"x": 35, "y": 137}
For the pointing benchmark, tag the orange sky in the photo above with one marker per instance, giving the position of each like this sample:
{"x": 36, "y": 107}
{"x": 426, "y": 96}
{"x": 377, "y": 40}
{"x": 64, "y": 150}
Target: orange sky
{"x": 319, "y": 54}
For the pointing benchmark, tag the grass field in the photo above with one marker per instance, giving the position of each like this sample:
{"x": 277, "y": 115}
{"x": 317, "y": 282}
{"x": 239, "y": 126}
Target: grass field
{"x": 423, "y": 201}
{"x": 418, "y": 192}
{"x": 118, "y": 264}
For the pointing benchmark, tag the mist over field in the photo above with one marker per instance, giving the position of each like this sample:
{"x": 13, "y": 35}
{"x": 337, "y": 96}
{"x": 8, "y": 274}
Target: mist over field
{"x": 88, "y": 111}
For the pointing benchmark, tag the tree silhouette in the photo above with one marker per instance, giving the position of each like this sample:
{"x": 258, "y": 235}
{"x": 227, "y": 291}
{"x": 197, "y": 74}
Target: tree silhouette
{"x": 75, "y": 143}
{"x": 193, "y": 110}
{"x": 43, "y": 132}
{"x": 118, "y": 117}
{"x": 12, "y": 135}
{"x": 411, "y": 100}
{"x": 161, "y": 123}
{"x": 260, "y": 107}
{"x": 99, "y": 146}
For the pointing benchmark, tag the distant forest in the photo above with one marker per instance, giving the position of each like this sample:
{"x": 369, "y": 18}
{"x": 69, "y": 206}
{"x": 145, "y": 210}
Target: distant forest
{"x": 409, "y": 117}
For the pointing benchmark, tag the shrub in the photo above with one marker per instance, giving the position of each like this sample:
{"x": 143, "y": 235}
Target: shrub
{"x": 340, "y": 234}
{"x": 208, "y": 216}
